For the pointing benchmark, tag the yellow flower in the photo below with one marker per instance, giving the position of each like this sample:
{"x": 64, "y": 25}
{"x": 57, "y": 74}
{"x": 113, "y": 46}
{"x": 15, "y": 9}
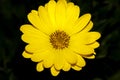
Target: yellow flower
{"x": 58, "y": 38}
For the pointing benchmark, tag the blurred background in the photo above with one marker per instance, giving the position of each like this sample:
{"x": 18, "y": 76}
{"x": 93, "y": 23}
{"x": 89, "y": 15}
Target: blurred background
{"x": 106, "y": 19}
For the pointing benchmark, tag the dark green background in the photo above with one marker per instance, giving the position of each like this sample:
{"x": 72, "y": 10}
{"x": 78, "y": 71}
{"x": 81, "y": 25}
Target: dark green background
{"x": 106, "y": 18}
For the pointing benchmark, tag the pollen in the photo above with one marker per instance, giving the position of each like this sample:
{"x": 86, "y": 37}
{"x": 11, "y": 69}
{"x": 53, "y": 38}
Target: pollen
{"x": 59, "y": 39}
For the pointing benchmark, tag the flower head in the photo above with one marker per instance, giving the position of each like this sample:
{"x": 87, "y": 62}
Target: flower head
{"x": 58, "y": 38}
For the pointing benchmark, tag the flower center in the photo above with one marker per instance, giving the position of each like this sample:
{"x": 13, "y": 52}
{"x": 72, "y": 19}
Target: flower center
{"x": 59, "y": 39}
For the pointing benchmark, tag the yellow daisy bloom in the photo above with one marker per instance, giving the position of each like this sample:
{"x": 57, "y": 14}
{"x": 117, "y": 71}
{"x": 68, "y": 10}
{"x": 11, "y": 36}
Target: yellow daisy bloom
{"x": 58, "y": 38}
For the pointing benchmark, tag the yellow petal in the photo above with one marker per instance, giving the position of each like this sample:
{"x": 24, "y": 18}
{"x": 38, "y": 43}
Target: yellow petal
{"x": 92, "y": 37}
{"x": 89, "y": 57}
{"x": 81, "y": 23}
{"x": 72, "y": 14}
{"x": 32, "y": 35}
{"x": 80, "y": 42}
{"x": 59, "y": 60}
{"x": 77, "y": 68}
{"x": 80, "y": 61}
{"x": 94, "y": 45}
{"x": 35, "y": 47}
{"x": 38, "y": 56}
{"x": 85, "y": 37}
{"x": 29, "y": 39}
{"x": 46, "y": 6}
{"x": 45, "y": 20}
{"x": 43, "y": 15}
{"x": 40, "y": 67}
{"x": 80, "y": 48}
{"x": 49, "y": 59}
{"x": 60, "y": 14}
{"x": 70, "y": 56}
{"x": 78, "y": 39}
{"x": 54, "y": 72}
{"x": 51, "y": 11}
{"x": 88, "y": 27}
{"x": 26, "y": 55}
{"x": 66, "y": 66}
{"x": 34, "y": 18}
{"x": 31, "y": 30}
{"x": 38, "y": 21}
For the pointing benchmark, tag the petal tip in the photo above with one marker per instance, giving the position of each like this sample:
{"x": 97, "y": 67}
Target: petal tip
{"x": 54, "y": 72}
{"x": 39, "y": 67}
